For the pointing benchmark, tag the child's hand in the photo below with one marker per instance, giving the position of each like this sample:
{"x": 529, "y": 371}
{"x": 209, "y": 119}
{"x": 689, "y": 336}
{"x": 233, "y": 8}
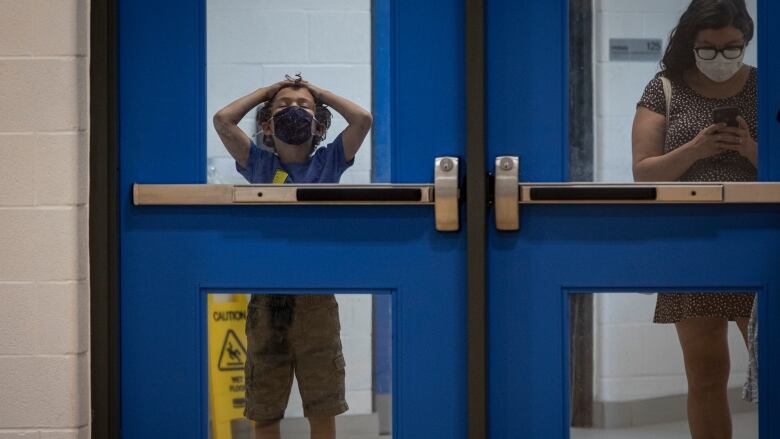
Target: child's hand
{"x": 273, "y": 89}
{"x": 315, "y": 91}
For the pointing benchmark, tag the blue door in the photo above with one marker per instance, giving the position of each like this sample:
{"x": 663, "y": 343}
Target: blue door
{"x": 574, "y": 240}
{"x": 173, "y": 257}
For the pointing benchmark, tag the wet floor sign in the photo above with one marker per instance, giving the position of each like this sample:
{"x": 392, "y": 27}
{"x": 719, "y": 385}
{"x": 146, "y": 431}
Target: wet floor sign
{"x": 227, "y": 355}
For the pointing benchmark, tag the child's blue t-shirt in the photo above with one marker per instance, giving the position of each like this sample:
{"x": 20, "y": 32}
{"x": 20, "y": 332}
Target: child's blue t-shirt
{"x": 325, "y": 166}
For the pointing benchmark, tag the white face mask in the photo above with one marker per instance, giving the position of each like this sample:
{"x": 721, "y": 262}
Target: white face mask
{"x": 719, "y": 69}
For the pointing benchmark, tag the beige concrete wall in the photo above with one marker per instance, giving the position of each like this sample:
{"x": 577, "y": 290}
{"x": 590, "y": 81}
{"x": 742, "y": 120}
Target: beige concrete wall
{"x": 44, "y": 291}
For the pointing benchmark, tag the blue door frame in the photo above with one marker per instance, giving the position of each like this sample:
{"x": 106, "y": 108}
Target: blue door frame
{"x": 171, "y": 256}
{"x": 562, "y": 250}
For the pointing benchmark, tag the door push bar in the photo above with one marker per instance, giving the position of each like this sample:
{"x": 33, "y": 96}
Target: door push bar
{"x": 443, "y": 194}
{"x": 509, "y": 192}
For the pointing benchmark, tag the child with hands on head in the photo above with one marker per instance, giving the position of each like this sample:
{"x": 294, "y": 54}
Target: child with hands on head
{"x": 293, "y": 120}
{"x": 293, "y": 335}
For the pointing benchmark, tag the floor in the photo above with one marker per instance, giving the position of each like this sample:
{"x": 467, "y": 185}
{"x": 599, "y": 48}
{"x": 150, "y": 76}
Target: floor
{"x": 745, "y": 426}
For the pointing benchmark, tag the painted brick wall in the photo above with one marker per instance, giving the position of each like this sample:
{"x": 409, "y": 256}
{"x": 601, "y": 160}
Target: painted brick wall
{"x": 253, "y": 44}
{"x": 635, "y": 358}
{"x": 44, "y": 294}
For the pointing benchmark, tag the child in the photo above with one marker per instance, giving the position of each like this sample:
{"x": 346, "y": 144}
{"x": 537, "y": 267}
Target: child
{"x": 289, "y": 334}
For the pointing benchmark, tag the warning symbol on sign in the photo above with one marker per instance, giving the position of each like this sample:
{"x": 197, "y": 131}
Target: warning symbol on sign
{"x": 233, "y": 355}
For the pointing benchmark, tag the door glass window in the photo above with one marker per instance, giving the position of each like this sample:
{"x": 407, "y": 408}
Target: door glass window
{"x": 628, "y": 375}
{"x": 272, "y": 56}
{"x": 297, "y": 364}
{"x": 617, "y": 52}
{"x": 659, "y": 365}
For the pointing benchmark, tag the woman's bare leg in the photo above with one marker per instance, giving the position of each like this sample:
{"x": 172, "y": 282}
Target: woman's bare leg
{"x": 704, "y": 342}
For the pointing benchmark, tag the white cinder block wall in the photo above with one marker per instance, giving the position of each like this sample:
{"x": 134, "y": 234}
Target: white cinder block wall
{"x": 251, "y": 44}
{"x": 44, "y": 294}
{"x": 636, "y": 359}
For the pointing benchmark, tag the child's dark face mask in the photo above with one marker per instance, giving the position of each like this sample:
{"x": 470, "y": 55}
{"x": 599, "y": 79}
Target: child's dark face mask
{"x": 293, "y": 125}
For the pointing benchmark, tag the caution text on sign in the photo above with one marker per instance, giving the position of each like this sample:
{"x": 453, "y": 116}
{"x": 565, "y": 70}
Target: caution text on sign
{"x": 227, "y": 356}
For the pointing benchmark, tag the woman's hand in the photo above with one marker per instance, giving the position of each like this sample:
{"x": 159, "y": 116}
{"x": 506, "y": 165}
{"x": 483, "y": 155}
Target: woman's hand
{"x": 713, "y": 140}
{"x": 740, "y": 140}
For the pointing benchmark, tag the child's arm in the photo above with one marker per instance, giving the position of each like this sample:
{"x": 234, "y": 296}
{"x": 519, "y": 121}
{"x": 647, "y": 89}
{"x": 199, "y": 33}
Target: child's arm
{"x": 226, "y": 121}
{"x": 359, "y": 119}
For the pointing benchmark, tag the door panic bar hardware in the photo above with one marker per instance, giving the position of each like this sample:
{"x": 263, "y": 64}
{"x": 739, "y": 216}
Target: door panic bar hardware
{"x": 266, "y": 194}
{"x": 578, "y": 193}
{"x": 650, "y": 193}
{"x": 446, "y": 194}
{"x": 509, "y": 193}
{"x": 506, "y": 195}
{"x": 443, "y": 194}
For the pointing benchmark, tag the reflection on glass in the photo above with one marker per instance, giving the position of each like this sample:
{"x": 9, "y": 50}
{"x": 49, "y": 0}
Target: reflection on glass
{"x": 312, "y": 64}
{"x": 299, "y": 366}
{"x": 629, "y": 376}
{"x": 634, "y": 49}
{"x": 222, "y": 170}
{"x": 671, "y": 365}
{"x": 292, "y": 119}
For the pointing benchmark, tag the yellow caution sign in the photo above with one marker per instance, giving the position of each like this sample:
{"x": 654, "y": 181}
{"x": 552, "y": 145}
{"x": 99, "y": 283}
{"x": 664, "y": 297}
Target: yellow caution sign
{"x": 227, "y": 355}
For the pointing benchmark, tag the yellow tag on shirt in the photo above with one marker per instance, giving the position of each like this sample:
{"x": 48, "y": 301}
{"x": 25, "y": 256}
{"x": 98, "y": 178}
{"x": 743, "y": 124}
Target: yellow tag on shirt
{"x": 280, "y": 177}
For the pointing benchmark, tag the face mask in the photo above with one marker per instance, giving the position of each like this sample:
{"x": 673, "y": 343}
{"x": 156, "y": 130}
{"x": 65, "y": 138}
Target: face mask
{"x": 293, "y": 125}
{"x": 719, "y": 69}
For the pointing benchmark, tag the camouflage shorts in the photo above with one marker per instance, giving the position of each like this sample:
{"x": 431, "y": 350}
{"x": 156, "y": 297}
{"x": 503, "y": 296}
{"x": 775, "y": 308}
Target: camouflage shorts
{"x": 297, "y": 335}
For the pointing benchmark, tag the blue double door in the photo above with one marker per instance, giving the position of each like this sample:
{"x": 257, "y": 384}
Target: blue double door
{"x": 172, "y": 256}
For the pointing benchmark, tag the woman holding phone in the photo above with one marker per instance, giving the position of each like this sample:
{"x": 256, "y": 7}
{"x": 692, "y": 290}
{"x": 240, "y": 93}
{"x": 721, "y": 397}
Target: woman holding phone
{"x": 697, "y": 121}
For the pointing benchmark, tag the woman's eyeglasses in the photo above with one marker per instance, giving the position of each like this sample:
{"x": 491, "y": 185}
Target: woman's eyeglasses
{"x": 709, "y": 53}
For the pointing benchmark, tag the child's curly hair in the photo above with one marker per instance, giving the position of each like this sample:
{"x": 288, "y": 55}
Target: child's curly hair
{"x": 322, "y": 115}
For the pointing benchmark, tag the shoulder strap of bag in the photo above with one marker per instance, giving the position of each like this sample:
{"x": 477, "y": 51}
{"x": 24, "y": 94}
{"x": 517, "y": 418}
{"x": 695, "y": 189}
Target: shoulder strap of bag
{"x": 667, "y": 94}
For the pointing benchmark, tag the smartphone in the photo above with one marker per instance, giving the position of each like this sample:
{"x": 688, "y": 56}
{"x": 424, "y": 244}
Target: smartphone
{"x": 727, "y": 115}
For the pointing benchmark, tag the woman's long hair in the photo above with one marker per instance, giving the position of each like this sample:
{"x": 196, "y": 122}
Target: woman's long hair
{"x": 701, "y": 15}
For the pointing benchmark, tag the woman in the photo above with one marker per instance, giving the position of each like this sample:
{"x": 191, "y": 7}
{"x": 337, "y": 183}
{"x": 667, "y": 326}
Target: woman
{"x": 703, "y": 64}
